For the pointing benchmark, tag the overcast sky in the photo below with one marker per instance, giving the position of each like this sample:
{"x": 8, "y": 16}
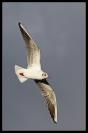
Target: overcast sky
{"x": 59, "y": 31}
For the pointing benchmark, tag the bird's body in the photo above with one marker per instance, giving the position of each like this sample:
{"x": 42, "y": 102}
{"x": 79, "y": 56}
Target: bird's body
{"x": 29, "y": 73}
{"x": 35, "y": 72}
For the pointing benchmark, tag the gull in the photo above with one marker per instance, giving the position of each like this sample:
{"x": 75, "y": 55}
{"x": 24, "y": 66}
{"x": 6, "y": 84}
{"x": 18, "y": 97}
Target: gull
{"x": 34, "y": 71}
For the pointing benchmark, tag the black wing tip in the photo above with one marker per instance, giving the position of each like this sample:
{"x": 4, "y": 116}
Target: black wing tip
{"x": 19, "y": 23}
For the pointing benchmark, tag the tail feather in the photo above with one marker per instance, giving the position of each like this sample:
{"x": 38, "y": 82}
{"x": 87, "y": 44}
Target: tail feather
{"x": 20, "y": 73}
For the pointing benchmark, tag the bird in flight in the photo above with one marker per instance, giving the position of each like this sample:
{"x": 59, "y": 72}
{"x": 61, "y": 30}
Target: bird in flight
{"x": 34, "y": 71}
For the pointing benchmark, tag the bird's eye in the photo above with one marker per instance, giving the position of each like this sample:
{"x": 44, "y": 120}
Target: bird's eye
{"x": 44, "y": 74}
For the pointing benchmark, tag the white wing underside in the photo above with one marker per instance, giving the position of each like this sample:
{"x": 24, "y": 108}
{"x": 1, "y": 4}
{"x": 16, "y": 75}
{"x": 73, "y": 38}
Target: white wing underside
{"x": 49, "y": 96}
{"x": 33, "y": 52}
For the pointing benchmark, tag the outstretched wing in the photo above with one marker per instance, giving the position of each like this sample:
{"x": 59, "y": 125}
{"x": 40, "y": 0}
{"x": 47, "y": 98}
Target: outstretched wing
{"x": 33, "y": 52}
{"x": 49, "y": 96}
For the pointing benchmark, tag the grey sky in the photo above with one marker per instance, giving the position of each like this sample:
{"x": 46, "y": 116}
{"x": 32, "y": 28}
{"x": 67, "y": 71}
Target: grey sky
{"x": 59, "y": 31}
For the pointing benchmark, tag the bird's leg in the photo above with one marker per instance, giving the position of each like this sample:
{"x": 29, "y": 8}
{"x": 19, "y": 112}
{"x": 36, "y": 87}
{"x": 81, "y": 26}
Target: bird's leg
{"x": 21, "y": 74}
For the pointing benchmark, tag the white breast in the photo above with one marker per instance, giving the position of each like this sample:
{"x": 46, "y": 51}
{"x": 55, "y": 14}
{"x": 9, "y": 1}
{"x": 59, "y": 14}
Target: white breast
{"x": 34, "y": 73}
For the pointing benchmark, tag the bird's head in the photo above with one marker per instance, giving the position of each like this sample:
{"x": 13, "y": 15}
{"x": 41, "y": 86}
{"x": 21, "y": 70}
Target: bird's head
{"x": 44, "y": 75}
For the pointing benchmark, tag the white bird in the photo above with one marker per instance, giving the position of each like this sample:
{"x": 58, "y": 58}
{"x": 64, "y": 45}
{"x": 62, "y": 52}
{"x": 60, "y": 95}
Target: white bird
{"x": 34, "y": 72}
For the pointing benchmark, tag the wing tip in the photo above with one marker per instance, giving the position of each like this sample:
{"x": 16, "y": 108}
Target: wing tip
{"x": 22, "y": 29}
{"x": 19, "y": 23}
{"x": 55, "y": 117}
{"x": 55, "y": 121}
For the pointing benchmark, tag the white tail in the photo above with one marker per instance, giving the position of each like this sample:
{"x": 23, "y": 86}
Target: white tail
{"x": 20, "y": 73}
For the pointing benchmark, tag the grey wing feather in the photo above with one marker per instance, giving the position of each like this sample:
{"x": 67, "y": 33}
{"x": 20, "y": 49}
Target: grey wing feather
{"x": 49, "y": 96}
{"x": 33, "y": 52}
